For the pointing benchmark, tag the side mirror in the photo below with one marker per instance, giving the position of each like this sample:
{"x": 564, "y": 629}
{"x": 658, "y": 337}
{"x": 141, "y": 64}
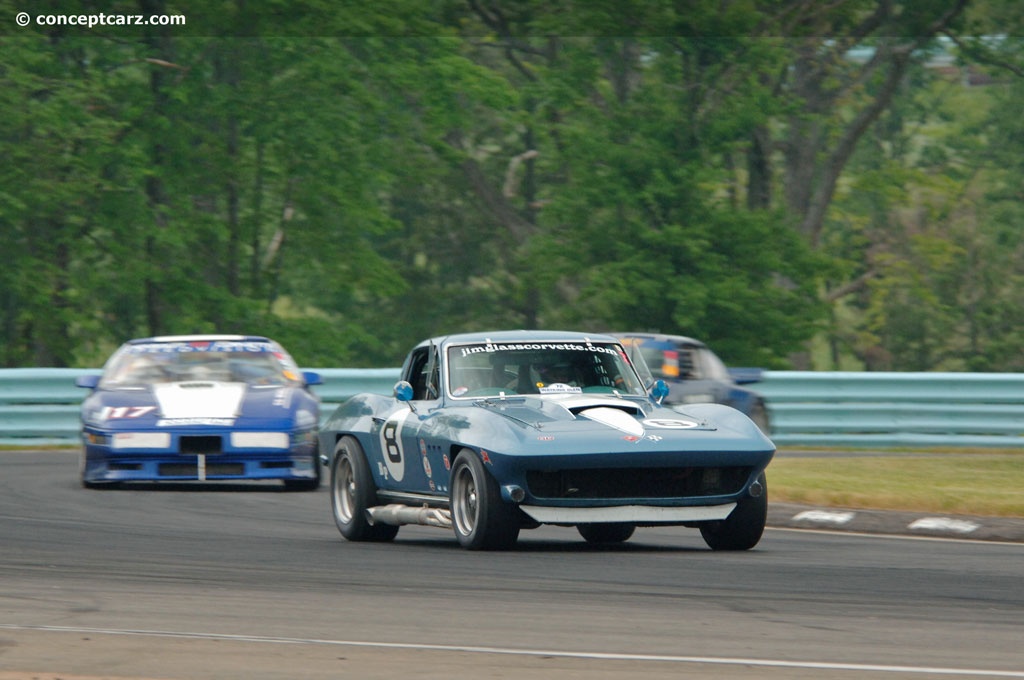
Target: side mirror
{"x": 403, "y": 391}
{"x": 659, "y": 390}
{"x": 312, "y": 378}
{"x": 87, "y": 381}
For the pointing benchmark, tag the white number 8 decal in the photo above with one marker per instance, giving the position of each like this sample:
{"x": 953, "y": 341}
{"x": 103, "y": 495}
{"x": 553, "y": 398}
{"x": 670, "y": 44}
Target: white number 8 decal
{"x": 391, "y": 443}
{"x": 392, "y": 449}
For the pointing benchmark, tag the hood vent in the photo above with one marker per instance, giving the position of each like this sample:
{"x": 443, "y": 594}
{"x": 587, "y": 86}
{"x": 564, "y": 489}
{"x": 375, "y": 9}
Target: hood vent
{"x": 620, "y": 419}
{"x": 630, "y": 409}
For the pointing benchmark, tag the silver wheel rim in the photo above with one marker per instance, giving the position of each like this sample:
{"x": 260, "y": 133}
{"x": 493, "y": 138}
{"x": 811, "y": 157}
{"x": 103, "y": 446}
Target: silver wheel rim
{"x": 465, "y": 501}
{"x": 344, "y": 489}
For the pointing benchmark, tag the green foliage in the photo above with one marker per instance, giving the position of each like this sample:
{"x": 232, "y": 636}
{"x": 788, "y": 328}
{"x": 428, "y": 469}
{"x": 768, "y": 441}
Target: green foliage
{"x": 350, "y": 179}
{"x": 922, "y": 217}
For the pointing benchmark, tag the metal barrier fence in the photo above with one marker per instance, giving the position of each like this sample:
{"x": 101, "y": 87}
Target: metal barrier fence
{"x": 884, "y": 410}
{"x": 40, "y": 406}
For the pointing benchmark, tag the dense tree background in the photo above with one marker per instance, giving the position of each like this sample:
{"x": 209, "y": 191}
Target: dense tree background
{"x": 801, "y": 184}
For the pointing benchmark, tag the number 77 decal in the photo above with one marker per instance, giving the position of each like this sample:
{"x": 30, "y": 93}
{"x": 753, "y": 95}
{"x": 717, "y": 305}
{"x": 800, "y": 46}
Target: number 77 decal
{"x": 114, "y": 412}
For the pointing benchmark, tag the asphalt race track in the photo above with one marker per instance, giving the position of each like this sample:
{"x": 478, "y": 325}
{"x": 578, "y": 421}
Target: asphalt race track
{"x": 248, "y": 581}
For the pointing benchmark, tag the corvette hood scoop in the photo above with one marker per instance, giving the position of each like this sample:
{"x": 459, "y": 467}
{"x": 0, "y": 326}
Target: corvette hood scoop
{"x": 613, "y": 417}
{"x": 611, "y": 412}
{"x": 199, "y": 399}
{"x": 578, "y": 404}
{"x": 546, "y": 411}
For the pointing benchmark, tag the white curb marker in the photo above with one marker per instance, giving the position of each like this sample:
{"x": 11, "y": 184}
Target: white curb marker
{"x": 825, "y": 517}
{"x": 959, "y": 526}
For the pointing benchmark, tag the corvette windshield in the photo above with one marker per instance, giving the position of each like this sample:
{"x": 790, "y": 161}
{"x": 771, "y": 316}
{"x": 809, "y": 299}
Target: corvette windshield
{"x": 489, "y": 369}
{"x": 140, "y": 365}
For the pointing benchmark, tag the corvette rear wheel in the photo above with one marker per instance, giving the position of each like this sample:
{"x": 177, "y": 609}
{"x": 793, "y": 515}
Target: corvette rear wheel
{"x": 742, "y": 529}
{"x": 606, "y": 532}
{"x": 353, "y": 492}
{"x": 480, "y": 518}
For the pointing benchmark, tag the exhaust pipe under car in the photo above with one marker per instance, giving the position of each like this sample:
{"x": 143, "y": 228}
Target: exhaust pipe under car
{"x": 397, "y": 515}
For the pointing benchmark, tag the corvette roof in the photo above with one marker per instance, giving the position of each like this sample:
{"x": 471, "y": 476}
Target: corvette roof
{"x": 661, "y": 338}
{"x": 520, "y": 336}
{"x": 199, "y": 338}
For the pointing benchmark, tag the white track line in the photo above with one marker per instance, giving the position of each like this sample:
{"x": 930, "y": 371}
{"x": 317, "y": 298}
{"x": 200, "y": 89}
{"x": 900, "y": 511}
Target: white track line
{"x": 764, "y": 663}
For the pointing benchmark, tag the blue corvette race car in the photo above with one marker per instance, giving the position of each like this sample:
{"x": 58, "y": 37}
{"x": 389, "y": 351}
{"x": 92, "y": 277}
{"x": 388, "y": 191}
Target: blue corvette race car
{"x": 487, "y": 434}
{"x": 198, "y": 408}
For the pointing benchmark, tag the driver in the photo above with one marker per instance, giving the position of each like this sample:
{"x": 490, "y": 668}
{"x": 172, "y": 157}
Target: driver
{"x": 561, "y": 372}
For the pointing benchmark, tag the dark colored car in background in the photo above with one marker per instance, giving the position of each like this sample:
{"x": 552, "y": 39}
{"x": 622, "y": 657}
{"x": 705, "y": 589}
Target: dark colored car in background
{"x": 696, "y": 375}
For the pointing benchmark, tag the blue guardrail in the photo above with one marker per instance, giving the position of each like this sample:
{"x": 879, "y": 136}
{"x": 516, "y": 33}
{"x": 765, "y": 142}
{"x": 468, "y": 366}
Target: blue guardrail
{"x": 40, "y": 406}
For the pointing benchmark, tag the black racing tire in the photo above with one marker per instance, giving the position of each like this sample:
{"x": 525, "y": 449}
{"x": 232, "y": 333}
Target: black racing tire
{"x": 100, "y": 485}
{"x": 89, "y": 484}
{"x": 302, "y": 484}
{"x": 81, "y": 471}
{"x": 481, "y": 519}
{"x": 606, "y": 532}
{"x": 353, "y": 493}
{"x": 743, "y": 528}
{"x": 307, "y": 484}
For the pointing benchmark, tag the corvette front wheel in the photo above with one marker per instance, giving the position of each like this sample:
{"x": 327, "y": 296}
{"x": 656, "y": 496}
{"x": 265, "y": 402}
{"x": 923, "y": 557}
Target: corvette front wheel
{"x": 480, "y": 518}
{"x": 353, "y": 492}
{"x": 743, "y": 528}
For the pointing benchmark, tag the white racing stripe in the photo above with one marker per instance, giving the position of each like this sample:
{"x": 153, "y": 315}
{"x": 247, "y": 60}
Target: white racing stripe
{"x": 199, "y": 399}
{"x": 616, "y": 418}
{"x": 610, "y": 656}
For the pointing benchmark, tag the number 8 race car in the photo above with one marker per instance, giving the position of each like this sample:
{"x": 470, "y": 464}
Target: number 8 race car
{"x": 491, "y": 433}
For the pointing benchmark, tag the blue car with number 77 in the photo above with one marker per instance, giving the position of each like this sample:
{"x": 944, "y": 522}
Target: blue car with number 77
{"x": 200, "y": 408}
{"x": 489, "y": 434}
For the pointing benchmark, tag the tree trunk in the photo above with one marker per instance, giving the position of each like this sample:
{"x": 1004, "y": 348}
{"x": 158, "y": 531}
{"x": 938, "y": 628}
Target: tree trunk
{"x": 160, "y": 47}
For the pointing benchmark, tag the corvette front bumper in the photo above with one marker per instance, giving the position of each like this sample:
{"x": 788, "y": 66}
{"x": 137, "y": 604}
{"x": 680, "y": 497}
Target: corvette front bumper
{"x": 639, "y": 514}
